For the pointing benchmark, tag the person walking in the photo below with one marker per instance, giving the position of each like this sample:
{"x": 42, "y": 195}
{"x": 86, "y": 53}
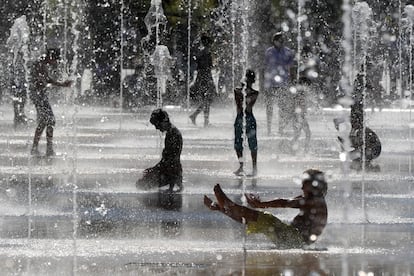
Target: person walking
{"x": 249, "y": 96}
{"x": 40, "y": 79}
{"x": 203, "y": 87}
{"x": 279, "y": 60}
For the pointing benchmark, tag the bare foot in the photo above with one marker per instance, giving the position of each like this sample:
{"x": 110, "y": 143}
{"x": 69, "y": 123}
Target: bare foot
{"x": 211, "y": 204}
{"x": 223, "y": 200}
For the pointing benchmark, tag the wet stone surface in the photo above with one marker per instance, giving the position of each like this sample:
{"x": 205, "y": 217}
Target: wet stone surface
{"x": 80, "y": 212}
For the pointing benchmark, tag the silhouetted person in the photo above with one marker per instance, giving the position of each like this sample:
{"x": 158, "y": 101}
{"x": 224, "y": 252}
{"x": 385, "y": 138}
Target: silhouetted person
{"x": 250, "y": 95}
{"x": 168, "y": 171}
{"x": 40, "y": 80}
{"x": 278, "y": 62}
{"x": 203, "y": 87}
{"x": 305, "y": 228}
{"x": 372, "y": 142}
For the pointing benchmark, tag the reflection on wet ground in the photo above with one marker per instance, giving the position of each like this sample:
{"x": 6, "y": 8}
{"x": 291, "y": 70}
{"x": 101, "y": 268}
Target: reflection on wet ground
{"x": 80, "y": 213}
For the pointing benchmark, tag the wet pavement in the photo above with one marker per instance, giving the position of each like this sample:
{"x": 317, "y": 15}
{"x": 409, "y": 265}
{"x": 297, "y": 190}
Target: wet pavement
{"x": 79, "y": 213}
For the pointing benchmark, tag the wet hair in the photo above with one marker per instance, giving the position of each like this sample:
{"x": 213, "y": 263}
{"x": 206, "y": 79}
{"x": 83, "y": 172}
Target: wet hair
{"x": 53, "y": 53}
{"x": 158, "y": 116}
{"x": 205, "y": 39}
{"x": 317, "y": 180}
{"x": 250, "y": 75}
{"x": 277, "y": 36}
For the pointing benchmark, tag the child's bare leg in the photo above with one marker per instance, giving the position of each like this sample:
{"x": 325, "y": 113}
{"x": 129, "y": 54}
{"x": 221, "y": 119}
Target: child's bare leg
{"x": 237, "y": 212}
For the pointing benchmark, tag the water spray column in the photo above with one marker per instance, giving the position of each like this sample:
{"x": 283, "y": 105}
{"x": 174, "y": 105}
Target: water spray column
{"x": 75, "y": 12}
{"x": 233, "y": 43}
{"x": 188, "y": 53}
{"x": 121, "y": 65}
{"x": 409, "y": 11}
{"x": 160, "y": 59}
{"x": 301, "y": 4}
{"x": 346, "y": 102}
{"x": 244, "y": 9}
{"x": 45, "y": 7}
{"x": 18, "y": 43}
{"x": 362, "y": 17}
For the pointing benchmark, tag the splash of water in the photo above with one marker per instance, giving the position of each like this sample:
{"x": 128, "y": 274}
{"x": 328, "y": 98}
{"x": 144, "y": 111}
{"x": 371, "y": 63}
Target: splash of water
{"x": 160, "y": 57}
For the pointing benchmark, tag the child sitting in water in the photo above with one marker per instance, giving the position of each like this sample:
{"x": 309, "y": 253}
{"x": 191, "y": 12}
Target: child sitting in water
{"x": 305, "y": 227}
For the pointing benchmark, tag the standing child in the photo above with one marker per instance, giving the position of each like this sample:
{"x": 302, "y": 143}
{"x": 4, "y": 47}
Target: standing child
{"x": 305, "y": 228}
{"x": 251, "y": 128}
{"x": 203, "y": 85}
{"x": 40, "y": 80}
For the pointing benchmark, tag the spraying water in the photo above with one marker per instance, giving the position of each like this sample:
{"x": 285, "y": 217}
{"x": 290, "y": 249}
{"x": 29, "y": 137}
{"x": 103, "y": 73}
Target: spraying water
{"x": 346, "y": 102}
{"x": 160, "y": 58}
{"x": 409, "y": 12}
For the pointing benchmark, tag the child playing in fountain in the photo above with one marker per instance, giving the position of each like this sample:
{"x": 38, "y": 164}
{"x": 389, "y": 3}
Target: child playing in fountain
{"x": 305, "y": 228}
{"x": 364, "y": 149}
{"x": 169, "y": 170}
{"x": 251, "y": 97}
{"x": 40, "y": 80}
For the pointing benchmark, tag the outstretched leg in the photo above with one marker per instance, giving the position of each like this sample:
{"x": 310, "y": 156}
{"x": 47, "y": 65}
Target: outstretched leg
{"x": 228, "y": 207}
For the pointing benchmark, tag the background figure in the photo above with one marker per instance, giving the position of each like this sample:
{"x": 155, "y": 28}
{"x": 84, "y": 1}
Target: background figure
{"x": 372, "y": 142}
{"x": 251, "y": 129}
{"x": 18, "y": 89}
{"x": 305, "y": 228}
{"x": 203, "y": 88}
{"x": 278, "y": 63}
{"x": 40, "y": 79}
{"x": 307, "y": 78}
{"x": 134, "y": 89}
{"x": 168, "y": 171}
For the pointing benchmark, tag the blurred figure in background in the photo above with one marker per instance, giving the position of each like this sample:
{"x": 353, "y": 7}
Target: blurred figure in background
{"x": 203, "y": 88}
{"x": 278, "y": 63}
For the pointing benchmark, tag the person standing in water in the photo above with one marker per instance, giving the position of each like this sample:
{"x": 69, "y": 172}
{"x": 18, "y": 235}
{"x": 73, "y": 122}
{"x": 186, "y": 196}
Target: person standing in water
{"x": 279, "y": 60}
{"x": 203, "y": 87}
{"x": 40, "y": 80}
{"x": 251, "y": 128}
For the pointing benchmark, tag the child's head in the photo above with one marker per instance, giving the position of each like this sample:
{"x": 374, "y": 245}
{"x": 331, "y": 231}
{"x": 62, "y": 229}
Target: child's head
{"x": 250, "y": 76}
{"x": 313, "y": 181}
{"x": 159, "y": 118}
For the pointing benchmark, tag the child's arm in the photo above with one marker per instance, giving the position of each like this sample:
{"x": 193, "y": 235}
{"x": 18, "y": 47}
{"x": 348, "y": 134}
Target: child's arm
{"x": 256, "y": 202}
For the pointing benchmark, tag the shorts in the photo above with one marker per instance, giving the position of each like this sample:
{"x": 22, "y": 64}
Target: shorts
{"x": 283, "y": 235}
{"x": 251, "y": 129}
{"x": 45, "y": 113}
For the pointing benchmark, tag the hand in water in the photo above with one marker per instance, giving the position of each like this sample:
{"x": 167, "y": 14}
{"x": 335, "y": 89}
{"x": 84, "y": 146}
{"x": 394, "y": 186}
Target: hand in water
{"x": 253, "y": 200}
